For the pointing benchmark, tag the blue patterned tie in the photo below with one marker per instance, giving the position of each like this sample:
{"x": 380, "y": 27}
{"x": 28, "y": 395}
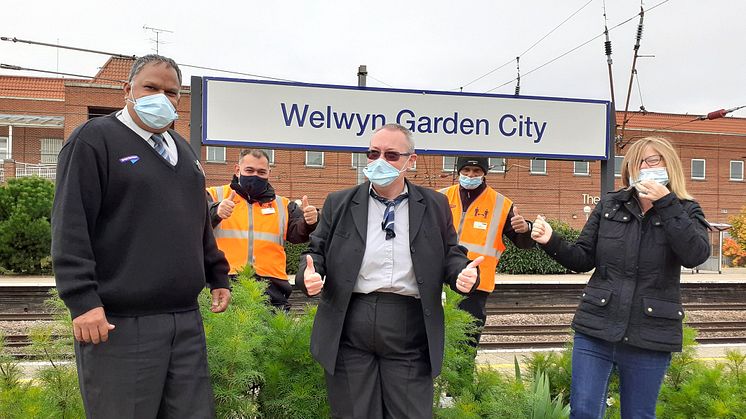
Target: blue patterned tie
{"x": 388, "y": 214}
{"x": 160, "y": 146}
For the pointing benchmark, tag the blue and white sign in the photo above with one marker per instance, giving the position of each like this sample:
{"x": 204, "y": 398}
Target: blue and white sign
{"x": 255, "y": 113}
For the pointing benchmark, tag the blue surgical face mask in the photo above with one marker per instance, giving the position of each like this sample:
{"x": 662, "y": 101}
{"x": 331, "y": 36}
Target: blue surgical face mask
{"x": 658, "y": 174}
{"x": 467, "y": 182}
{"x": 155, "y": 111}
{"x": 381, "y": 173}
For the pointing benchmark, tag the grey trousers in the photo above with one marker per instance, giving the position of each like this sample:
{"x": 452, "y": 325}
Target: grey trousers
{"x": 383, "y": 365}
{"x": 151, "y": 367}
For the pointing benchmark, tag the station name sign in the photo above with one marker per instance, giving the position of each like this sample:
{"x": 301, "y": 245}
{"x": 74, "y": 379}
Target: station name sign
{"x": 253, "y": 113}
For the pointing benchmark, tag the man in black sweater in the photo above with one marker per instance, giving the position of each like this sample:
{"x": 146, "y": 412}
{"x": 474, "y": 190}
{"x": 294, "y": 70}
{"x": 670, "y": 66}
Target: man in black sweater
{"x": 132, "y": 247}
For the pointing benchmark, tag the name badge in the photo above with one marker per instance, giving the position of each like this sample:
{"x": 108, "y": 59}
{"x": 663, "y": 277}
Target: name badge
{"x": 480, "y": 225}
{"x": 268, "y": 210}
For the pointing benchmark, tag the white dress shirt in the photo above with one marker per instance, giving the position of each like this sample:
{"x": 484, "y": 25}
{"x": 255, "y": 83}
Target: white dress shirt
{"x": 127, "y": 120}
{"x": 387, "y": 264}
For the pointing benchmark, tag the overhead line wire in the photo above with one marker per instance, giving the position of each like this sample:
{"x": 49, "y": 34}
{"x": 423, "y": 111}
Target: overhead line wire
{"x": 529, "y": 48}
{"x": 577, "y": 47}
{"x": 132, "y": 57}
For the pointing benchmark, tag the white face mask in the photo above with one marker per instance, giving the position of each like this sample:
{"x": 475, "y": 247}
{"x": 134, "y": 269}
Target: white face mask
{"x": 658, "y": 174}
{"x": 382, "y": 173}
{"x": 155, "y": 111}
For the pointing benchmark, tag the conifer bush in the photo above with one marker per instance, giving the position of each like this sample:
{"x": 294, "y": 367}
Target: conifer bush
{"x": 261, "y": 367}
{"x": 25, "y": 232}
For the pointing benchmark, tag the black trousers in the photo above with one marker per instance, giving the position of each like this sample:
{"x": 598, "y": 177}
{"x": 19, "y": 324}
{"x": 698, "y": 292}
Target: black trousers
{"x": 151, "y": 367}
{"x": 475, "y": 304}
{"x": 383, "y": 366}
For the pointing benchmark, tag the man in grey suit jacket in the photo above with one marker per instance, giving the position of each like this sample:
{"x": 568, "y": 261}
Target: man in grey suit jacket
{"x": 379, "y": 258}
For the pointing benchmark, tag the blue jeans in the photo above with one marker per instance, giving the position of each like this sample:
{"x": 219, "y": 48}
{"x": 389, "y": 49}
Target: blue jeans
{"x": 641, "y": 373}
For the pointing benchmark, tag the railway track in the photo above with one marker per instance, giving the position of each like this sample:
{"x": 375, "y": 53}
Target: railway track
{"x": 564, "y": 329}
{"x": 553, "y": 344}
{"x": 569, "y": 309}
{"x": 20, "y": 304}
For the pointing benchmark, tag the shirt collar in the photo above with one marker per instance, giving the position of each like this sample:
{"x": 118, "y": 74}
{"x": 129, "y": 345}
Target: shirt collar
{"x": 405, "y": 191}
{"x": 126, "y": 118}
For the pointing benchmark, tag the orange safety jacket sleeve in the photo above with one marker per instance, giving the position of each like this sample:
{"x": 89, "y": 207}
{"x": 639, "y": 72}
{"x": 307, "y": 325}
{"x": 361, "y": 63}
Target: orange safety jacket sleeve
{"x": 521, "y": 240}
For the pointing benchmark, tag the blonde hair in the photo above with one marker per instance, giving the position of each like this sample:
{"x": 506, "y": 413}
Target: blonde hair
{"x": 633, "y": 158}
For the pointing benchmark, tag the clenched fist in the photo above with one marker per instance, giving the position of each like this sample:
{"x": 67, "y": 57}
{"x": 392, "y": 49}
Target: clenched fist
{"x": 542, "y": 231}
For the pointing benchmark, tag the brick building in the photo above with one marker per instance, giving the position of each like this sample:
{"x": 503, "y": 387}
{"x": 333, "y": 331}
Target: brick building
{"x": 36, "y": 114}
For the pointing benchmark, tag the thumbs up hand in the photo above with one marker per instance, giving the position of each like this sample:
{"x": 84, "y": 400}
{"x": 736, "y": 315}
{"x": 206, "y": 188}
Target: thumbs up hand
{"x": 311, "y": 279}
{"x": 310, "y": 215}
{"x": 542, "y": 231}
{"x": 225, "y": 208}
{"x": 518, "y": 223}
{"x": 468, "y": 276}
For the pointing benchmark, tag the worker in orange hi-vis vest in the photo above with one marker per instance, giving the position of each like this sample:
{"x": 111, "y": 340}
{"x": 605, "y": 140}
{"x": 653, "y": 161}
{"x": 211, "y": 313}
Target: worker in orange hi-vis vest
{"x": 251, "y": 224}
{"x": 482, "y": 216}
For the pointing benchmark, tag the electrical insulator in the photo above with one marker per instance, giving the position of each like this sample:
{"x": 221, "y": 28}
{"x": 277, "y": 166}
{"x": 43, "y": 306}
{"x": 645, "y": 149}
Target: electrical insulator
{"x": 607, "y": 47}
{"x": 639, "y": 32}
{"x": 717, "y": 114}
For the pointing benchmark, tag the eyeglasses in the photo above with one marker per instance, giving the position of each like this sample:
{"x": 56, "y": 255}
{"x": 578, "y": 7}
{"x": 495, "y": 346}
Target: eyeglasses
{"x": 388, "y": 155}
{"x": 653, "y": 160}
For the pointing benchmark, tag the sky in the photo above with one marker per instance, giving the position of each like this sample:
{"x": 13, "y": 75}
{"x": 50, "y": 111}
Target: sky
{"x": 695, "y": 53}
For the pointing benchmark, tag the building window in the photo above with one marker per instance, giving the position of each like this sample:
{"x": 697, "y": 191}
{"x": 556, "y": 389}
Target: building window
{"x": 270, "y": 154}
{"x": 4, "y": 148}
{"x": 50, "y": 148}
{"x": 94, "y": 112}
{"x": 736, "y": 170}
{"x": 215, "y": 154}
{"x": 359, "y": 160}
{"x": 698, "y": 169}
{"x": 538, "y": 167}
{"x": 314, "y": 158}
{"x": 618, "y": 160}
{"x": 581, "y": 168}
{"x": 449, "y": 163}
{"x": 497, "y": 165}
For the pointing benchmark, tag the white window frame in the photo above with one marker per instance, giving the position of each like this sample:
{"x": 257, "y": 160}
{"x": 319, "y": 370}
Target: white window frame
{"x": 449, "y": 163}
{"x": 576, "y": 172}
{"x": 738, "y": 163}
{"x": 214, "y": 150}
{"x": 537, "y": 172}
{"x": 704, "y": 169}
{"x": 358, "y": 160}
{"x": 618, "y": 161}
{"x": 47, "y": 150}
{"x": 497, "y": 164}
{"x": 271, "y": 154}
{"x": 314, "y": 165}
{"x": 4, "y": 152}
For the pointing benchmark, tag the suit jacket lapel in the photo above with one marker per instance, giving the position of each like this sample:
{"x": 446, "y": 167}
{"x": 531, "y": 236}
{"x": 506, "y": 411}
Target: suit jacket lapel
{"x": 359, "y": 209}
{"x": 416, "y": 211}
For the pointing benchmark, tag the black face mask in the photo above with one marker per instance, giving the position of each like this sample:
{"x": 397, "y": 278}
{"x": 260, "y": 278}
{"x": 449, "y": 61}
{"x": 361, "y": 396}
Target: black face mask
{"x": 253, "y": 185}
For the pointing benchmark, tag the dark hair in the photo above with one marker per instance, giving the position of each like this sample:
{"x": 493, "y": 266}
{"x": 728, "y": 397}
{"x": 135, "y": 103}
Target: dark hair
{"x": 152, "y": 59}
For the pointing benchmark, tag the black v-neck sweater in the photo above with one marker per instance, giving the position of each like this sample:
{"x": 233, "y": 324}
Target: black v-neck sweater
{"x": 130, "y": 231}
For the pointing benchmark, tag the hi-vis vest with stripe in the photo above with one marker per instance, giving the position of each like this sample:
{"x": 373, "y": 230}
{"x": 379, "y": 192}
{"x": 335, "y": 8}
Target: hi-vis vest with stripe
{"x": 480, "y": 229}
{"x": 254, "y": 234}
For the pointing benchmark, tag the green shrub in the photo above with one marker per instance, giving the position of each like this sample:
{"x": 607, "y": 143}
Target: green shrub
{"x": 259, "y": 359}
{"x": 517, "y": 261}
{"x": 25, "y": 232}
{"x": 293, "y": 252}
{"x": 557, "y": 367}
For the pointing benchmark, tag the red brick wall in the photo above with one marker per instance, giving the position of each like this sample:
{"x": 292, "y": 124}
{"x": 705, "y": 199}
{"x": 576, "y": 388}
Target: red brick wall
{"x": 559, "y": 194}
